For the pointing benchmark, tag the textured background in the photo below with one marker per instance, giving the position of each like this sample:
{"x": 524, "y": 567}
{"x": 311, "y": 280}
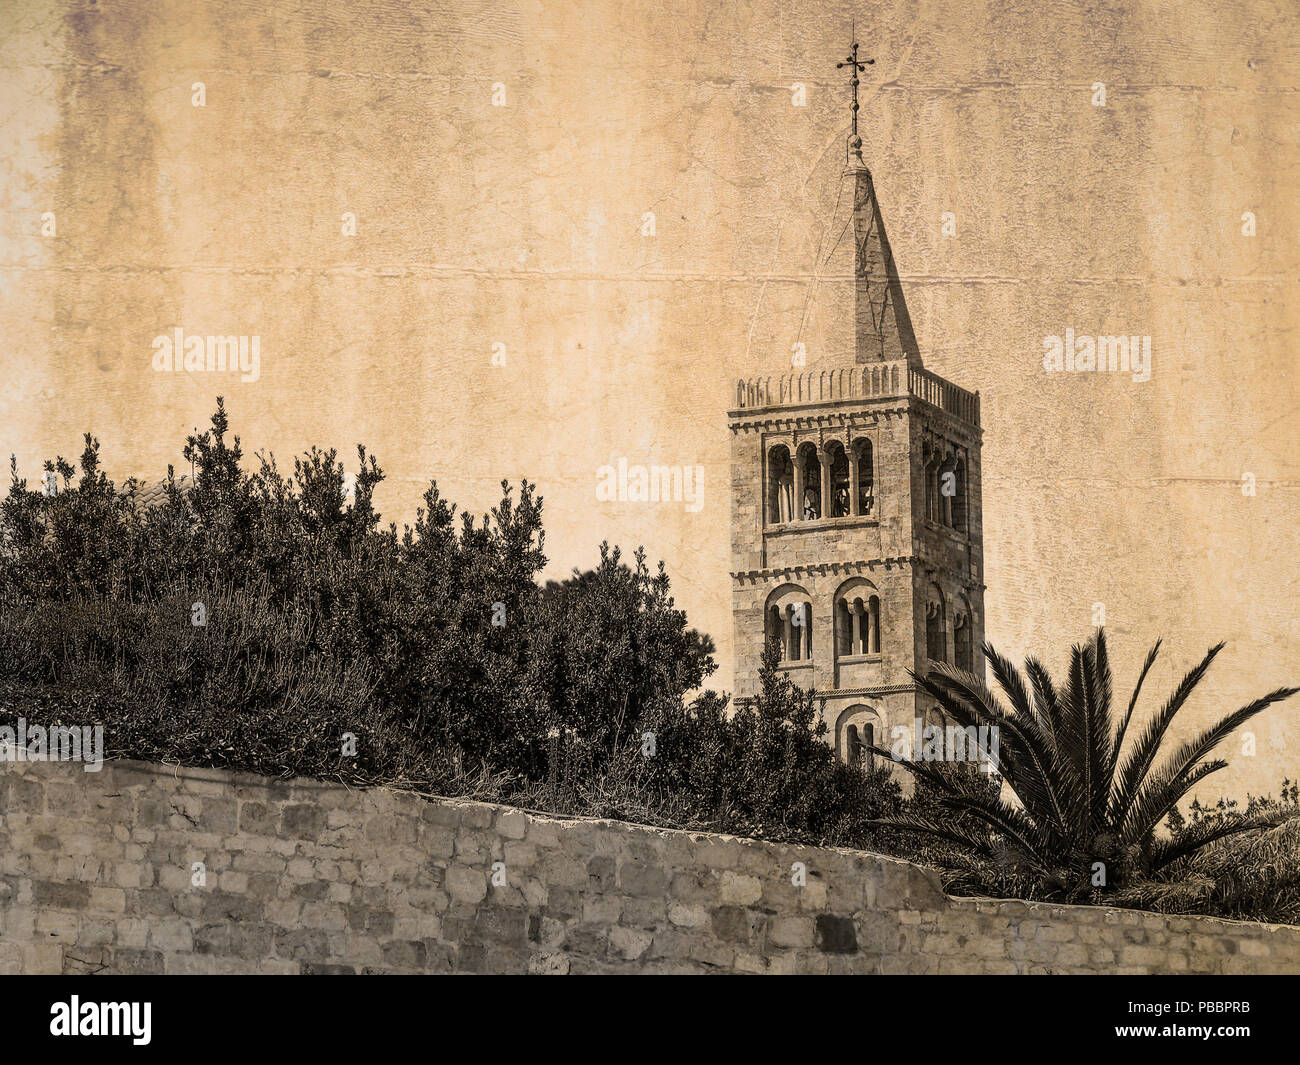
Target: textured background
{"x": 520, "y": 225}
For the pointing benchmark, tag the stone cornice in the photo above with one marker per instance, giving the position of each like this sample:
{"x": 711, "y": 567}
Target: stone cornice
{"x": 870, "y": 693}
{"x": 824, "y": 695}
{"x": 821, "y": 569}
{"x": 952, "y": 426}
{"x": 839, "y": 414}
{"x": 836, "y": 414}
{"x": 960, "y": 577}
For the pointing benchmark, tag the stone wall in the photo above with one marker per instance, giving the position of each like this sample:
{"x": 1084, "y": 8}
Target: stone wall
{"x": 97, "y": 874}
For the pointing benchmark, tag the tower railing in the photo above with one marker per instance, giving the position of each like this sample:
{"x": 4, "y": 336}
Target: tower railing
{"x": 823, "y": 386}
{"x": 874, "y": 380}
{"x": 944, "y": 394}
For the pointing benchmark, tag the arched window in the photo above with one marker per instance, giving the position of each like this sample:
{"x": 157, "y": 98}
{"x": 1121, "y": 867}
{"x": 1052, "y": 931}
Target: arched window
{"x": 960, "y": 502}
{"x": 932, "y": 489}
{"x": 947, "y": 491}
{"x": 839, "y": 470}
{"x": 853, "y": 746}
{"x": 961, "y": 640}
{"x": 864, "y": 463}
{"x": 808, "y": 483}
{"x": 857, "y": 618}
{"x": 855, "y": 733}
{"x": 936, "y": 626}
{"x": 780, "y": 485}
{"x": 790, "y": 623}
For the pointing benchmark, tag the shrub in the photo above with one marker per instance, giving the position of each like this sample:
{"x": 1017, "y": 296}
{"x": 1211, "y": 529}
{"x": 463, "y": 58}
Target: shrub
{"x": 435, "y": 647}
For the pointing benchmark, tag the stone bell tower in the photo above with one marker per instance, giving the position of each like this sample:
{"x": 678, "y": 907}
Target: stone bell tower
{"x": 856, "y": 536}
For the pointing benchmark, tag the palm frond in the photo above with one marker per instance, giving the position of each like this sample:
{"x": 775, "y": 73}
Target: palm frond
{"x": 1188, "y": 754}
{"x": 1007, "y": 820}
{"x": 1138, "y": 761}
{"x": 953, "y": 833}
{"x": 1024, "y": 762}
{"x": 1200, "y": 835}
{"x": 1118, "y": 742}
{"x": 1097, "y": 729}
{"x": 1159, "y": 794}
{"x": 1046, "y": 701}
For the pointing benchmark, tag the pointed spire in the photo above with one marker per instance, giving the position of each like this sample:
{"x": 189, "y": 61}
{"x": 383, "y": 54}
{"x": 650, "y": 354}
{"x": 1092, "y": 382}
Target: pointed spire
{"x": 883, "y": 328}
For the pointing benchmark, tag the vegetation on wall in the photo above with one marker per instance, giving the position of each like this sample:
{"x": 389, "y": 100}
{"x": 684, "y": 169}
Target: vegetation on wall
{"x": 267, "y": 621}
{"x": 264, "y": 620}
{"x": 1084, "y": 789}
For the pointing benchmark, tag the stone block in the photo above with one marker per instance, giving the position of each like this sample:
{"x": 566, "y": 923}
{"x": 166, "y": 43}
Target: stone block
{"x": 302, "y": 821}
{"x": 836, "y": 934}
{"x": 131, "y": 962}
{"x": 738, "y": 890}
{"x": 466, "y": 884}
{"x": 643, "y": 879}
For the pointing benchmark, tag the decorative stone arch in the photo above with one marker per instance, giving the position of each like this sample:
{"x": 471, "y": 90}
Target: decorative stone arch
{"x": 963, "y": 635}
{"x": 936, "y": 624}
{"x": 857, "y": 618}
{"x": 862, "y": 476}
{"x": 808, "y": 482}
{"x": 857, "y": 728}
{"x": 788, "y": 619}
{"x": 837, "y": 499}
{"x": 780, "y": 485}
{"x": 930, "y": 718}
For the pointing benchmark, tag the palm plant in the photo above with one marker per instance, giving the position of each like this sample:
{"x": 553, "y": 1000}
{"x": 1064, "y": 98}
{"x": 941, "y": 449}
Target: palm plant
{"x": 1087, "y": 805}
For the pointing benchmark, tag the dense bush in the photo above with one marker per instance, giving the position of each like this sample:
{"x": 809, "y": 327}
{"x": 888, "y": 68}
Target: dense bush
{"x": 1252, "y": 876}
{"x": 436, "y": 647}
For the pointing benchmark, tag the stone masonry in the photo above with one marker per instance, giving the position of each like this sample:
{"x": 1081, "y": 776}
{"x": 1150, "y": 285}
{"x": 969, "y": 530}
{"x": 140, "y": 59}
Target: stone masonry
{"x": 97, "y": 874}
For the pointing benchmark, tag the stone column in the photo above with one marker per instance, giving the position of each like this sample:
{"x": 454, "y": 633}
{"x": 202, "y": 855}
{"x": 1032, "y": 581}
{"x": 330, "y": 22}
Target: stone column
{"x": 787, "y": 644}
{"x": 798, "y": 488}
{"x": 824, "y": 460}
{"x": 854, "y": 504}
{"x": 858, "y": 646}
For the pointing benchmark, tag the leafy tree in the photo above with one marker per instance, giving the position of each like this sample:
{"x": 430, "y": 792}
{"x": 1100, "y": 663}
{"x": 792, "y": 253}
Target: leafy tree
{"x": 765, "y": 768}
{"x": 611, "y": 647}
{"x": 454, "y": 640}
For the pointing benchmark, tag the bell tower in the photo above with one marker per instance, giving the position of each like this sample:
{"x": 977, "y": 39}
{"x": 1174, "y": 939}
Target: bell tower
{"x": 856, "y": 528}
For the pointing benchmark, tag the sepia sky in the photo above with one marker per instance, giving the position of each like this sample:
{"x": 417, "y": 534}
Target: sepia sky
{"x": 521, "y": 228}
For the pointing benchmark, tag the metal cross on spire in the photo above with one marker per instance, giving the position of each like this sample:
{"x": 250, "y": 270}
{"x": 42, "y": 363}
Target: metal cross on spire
{"x": 856, "y": 66}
